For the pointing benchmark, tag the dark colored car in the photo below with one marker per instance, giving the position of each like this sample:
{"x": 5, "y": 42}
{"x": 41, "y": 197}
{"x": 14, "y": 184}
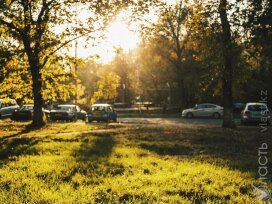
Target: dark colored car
{"x": 26, "y": 112}
{"x": 102, "y": 112}
{"x": 68, "y": 113}
{"x": 23, "y": 113}
{"x": 257, "y": 113}
{"x": 238, "y": 107}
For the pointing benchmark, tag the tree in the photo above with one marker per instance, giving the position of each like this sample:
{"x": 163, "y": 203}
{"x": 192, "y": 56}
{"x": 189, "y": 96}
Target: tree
{"x": 16, "y": 83}
{"x": 170, "y": 31}
{"x": 30, "y": 24}
{"x": 107, "y": 87}
{"x": 227, "y": 77}
{"x": 258, "y": 46}
{"x": 156, "y": 74}
{"x": 33, "y": 26}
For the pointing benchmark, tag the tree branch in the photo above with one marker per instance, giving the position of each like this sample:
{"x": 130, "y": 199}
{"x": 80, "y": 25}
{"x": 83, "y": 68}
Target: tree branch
{"x": 10, "y": 25}
{"x": 61, "y": 46}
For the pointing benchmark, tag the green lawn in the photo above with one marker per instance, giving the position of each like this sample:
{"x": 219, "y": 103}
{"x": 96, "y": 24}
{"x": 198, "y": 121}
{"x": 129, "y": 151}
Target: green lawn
{"x": 98, "y": 163}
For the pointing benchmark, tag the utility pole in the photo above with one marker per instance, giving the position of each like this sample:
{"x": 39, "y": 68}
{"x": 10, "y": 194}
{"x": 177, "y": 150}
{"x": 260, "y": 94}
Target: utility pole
{"x": 76, "y": 47}
{"x": 76, "y": 44}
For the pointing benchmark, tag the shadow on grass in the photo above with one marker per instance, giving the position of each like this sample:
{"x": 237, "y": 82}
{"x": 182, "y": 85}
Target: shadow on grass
{"x": 97, "y": 149}
{"x": 237, "y": 149}
{"x": 27, "y": 129}
{"x": 167, "y": 149}
{"x": 93, "y": 159}
{"x": 94, "y": 147}
{"x": 18, "y": 146}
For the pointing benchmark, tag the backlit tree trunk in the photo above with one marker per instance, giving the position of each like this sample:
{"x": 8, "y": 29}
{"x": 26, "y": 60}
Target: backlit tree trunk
{"x": 35, "y": 68}
{"x": 228, "y": 119}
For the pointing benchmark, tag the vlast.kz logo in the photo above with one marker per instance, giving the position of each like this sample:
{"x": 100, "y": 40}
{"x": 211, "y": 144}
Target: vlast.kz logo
{"x": 263, "y": 194}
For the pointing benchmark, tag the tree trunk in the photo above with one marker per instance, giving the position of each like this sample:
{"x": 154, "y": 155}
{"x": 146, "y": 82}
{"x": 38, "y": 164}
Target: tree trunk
{"x": 228, "y": 119}
{"x": 35, "y": 68}
{"x": 37, "y": 93}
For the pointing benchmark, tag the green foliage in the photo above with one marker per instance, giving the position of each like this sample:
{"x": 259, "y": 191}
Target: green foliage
{"x": 58, "y": 84}
{"x": 17, "y": 82}
{"x": 107, "y": 87}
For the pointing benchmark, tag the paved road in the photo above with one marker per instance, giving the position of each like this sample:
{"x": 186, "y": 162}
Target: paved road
{"x": 176, "y": 121}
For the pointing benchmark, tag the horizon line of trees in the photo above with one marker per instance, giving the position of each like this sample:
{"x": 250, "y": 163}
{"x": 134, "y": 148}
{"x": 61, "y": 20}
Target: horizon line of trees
{"x": 211, "y": 51}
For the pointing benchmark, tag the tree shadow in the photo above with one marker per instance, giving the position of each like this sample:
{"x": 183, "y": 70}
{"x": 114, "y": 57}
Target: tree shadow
{"x": 167, "y": 149}
{"x": 29, "y": 128}
{"x": 95, "y": 149}
{"x": 17, "y": 147}
{"x": 236, "y": 149}
{"x": 93, "y": 160}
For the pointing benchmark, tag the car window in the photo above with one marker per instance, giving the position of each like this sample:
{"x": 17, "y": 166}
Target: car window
{"x": 210, "y": 106}
{"x": 66, "y": 108}
{"x": 257, "y": 107}
{"x": 110, "y": 108}
{"x": 98, "y": 108}
{"x": 201, "y": 106}
{"x": 26, "y": 108}
{"x": 77, "y": 109}
{"x": 8, "y": 103}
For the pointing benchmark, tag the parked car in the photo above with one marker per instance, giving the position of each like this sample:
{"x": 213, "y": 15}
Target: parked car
{"x": 203, "y": 110}
{"x": 102, "y": 112}
{"x": 26, "y": 112}
{"x": 255, "y": 113}
{"x": 67, "y": 112}
{"x": 7, "y": 106}
{"x": 23, "y": 113}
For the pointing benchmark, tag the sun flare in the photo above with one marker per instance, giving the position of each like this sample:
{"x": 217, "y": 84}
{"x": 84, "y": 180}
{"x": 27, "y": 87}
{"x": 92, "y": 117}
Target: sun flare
{"x": 118, "y": 35}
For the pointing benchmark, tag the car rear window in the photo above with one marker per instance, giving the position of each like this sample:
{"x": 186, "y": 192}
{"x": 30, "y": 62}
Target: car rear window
{"x": 27, "y": 108}
{"x": 66, "y": 108}
{"x": 257, "y": 108}
{"x": 98, "y": 108}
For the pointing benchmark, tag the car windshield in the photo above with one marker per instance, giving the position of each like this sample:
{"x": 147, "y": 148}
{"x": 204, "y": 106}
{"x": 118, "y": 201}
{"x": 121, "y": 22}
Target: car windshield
{"x": 26, "y": 108}
{"x": 66, "y": 108}
{"x": 98, "y": 108}
{"x": 257, "y": 107}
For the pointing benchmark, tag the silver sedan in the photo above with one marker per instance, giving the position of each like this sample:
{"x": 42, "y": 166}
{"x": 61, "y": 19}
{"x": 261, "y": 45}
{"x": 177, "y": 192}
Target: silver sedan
{"x": 204, "y": 110}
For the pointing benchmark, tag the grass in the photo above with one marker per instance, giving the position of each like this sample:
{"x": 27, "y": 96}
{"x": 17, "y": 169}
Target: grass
{"x": 136, "y": 163}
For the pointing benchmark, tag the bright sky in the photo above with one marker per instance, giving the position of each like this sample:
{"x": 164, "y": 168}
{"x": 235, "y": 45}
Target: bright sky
{"x": 118, "y": 35}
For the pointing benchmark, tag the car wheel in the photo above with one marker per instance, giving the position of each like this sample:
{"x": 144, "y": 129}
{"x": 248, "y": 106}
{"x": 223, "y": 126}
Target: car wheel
{"x": 74, "y": 119}
{"x": 216, "y": 115}
{"x": 189, "y": 115}
{"x": 115, "y": 120}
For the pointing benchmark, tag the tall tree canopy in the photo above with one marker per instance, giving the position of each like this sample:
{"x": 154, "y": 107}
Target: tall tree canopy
{"x": 41, "y": 28}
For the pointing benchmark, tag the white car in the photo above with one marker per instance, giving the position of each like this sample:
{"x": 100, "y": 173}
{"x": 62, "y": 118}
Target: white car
{"x": 255, "y": 113}
{"x": 68, "y": 112}
{"x": 204, "y": 110}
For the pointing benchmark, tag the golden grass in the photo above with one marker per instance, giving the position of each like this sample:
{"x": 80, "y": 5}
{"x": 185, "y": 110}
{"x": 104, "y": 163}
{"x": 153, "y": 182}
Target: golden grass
{"x": 79, "y": 163}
